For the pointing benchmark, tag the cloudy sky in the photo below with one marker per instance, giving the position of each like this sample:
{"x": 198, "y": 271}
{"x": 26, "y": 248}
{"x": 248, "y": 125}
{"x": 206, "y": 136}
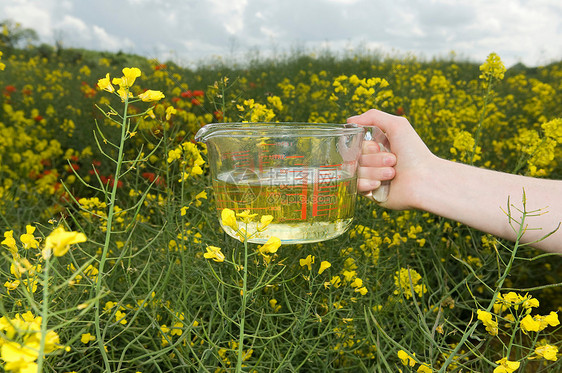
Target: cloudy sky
{"x": 188, "y": 31}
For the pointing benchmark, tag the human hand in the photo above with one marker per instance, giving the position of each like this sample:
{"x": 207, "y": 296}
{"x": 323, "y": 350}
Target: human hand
{"x": 404, "y": 165}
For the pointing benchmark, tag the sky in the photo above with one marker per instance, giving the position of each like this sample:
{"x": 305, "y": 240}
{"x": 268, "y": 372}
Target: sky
{"x": 190, "y": 32}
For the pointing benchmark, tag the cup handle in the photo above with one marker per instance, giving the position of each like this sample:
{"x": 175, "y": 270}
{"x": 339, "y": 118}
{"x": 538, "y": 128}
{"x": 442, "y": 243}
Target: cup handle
{"x": 381, "y": 193}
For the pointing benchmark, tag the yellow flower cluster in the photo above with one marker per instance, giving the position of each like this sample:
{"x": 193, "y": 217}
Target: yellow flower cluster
{"x": 492, "y": 68}
{"x": 406, "y": 280}
{"x": 2, "y": 65}
{"x": 190, "y": 160}
{"x": 20, "y": 339}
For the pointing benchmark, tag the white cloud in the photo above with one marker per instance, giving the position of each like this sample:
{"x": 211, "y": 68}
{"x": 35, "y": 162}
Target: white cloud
{"x": 110, "y": 42}
{"x": 35, "y": 15}
{"x": 230, "y": 13}
{"x": 193, "y": 29}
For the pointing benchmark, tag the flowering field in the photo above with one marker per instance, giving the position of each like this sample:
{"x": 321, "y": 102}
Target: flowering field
{"x": 113, "y": 258}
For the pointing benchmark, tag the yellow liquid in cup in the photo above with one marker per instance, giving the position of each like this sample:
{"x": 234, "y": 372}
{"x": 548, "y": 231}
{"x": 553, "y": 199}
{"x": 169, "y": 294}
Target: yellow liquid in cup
{"x": 307, "y": 205}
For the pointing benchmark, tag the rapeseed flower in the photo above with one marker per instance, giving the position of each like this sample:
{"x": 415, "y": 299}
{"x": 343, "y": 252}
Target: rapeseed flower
{"x": 214, "y": 253}
{"x": 487, "y": 319}
{"x": 547, "y": 352}
{"x": 2, "y": 65}
{"x": 529, "y": 324}
{"x": 406, "y": 358}
{"x": 506, "y": 366}
{"x": 246, "y": 216}
{"x": 324, "y": 265}
{"x": 271, "y": 246}
{"x": 405, "y": 280}
{"x": 228, "y": 218}
{"x": 553, "y": 129}
{"x": 59, "y": 241}
{"x": 264, "y": 222}
{"x": 130, "y": 74}
{"x": 87, "y": 338}
{"x": 170, "y": 110}
{"x": 150, "y": 95}
{"x": 307, "y": 262}
{"x": 28, "y": 239}
{"x": 492, "y": 68}
{"x": 10, "y": 241}
{"x": 105, "y": 84}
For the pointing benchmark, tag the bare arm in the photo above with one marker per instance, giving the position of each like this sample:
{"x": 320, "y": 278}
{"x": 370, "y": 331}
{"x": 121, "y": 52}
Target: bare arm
{"x": 473, "y": 196}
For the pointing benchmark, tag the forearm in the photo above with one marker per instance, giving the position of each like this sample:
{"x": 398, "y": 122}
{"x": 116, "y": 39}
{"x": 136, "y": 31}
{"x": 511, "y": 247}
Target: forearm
{"x": 479, "y": 198}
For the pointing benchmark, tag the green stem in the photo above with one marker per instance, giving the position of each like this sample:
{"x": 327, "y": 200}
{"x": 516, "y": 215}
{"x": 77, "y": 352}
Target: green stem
{"x": 499, "y": 285}
{"x": 44, "y": 315}
{"x": 110, "y": 215}
{"x": 482, "y": 116}
{"x": 243, "y": 308}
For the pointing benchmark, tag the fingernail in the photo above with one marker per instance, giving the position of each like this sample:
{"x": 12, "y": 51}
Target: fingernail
{"x": 388, "y": 161}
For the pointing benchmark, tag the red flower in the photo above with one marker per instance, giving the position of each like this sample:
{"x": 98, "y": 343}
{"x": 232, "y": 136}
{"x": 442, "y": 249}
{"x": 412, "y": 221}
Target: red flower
{"x": 160, "y": 67}
{"x": 110, "y": 180}
{"x": 26, "y": 91}
{"x": 38, "y": 118}
{"x": 175, "y": 99}
{"x": 198, "y": 93}
{"x": 195, "y": 102}
{"x": 400, "y": 111}
{"x": 186, "y": 94}
{"x": 151, "y": 176}
{"x": 10, "y": 88}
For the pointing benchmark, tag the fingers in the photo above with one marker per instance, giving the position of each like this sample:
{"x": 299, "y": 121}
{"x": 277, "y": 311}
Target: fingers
{"x": 367, "y": 185}
{"x": 378, "y": 118}
{"x": 376, "y": 173}
{"x": 371, "y": 156}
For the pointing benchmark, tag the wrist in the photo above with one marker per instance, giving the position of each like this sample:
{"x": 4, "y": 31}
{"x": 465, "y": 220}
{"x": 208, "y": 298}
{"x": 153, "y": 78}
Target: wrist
{"x": 426, "y": 183}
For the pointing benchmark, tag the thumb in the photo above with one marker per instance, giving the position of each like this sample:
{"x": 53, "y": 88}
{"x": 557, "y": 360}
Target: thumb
{"x": 374, "y": 117}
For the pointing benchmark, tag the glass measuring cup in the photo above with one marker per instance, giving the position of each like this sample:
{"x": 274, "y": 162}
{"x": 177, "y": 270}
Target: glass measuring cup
{"x": 303, "y": 174}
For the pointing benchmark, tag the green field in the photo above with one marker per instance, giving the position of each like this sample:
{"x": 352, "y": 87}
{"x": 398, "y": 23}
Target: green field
{"x": 121, "y": 184}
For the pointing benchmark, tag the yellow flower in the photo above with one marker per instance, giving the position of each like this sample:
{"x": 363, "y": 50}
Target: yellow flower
{"x": 28, "y": 239}
{"x": 60, "y": 240}
{"x": 324, "y": 265}
{"x": 406, "y": 359}
{"x": 492, "y": 68}
{"x": 271, "y": 246}
{"x": 10, "y": 241}
{"x": 490, "y": 324}
{"x": 150, "y": 95}
{"x": 120, "y": 317}
{"x": 307, "y": 262}
{"x": 264, "y": 222}
{"x": 336, "y": 281}
{"x": 362, "y": 290}
{"x": 424, "y": 368}
{"x": 105, "y": 84}
{"x": 553, "y": 129}
{"x": 86, "y": 338}
{"x": 506, "y": 366}
{"x": 357, "y": 283}
{"x": 20, "y": 358}
{"x": 128, "y": 78}
{"x": 529, "y": 324}
{"x": 548, "y": 352}
{"x": 246, "y": 216}
{"x": 170, "y": 111}
{"x": 550, "y": 319}
{"x": 124, "y": 93}
{"x": 228, "y": 218}
{"x": 2, "y": 66}
{"x": 214, "y": 253}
